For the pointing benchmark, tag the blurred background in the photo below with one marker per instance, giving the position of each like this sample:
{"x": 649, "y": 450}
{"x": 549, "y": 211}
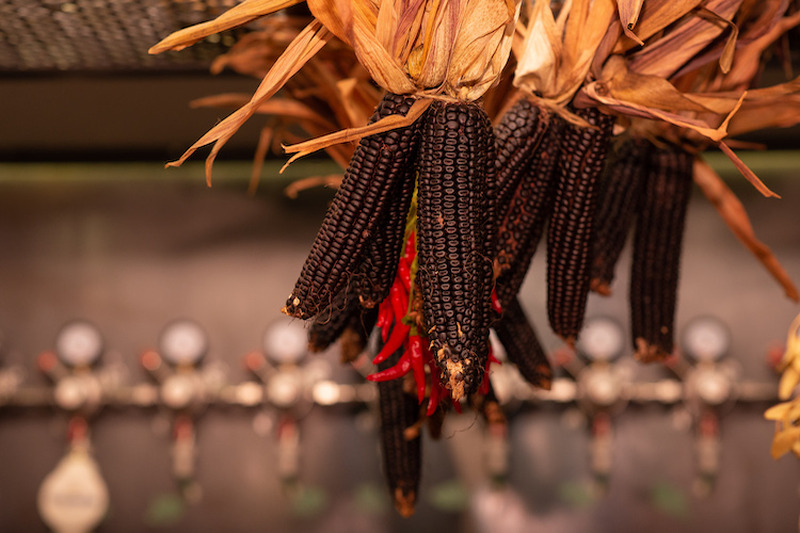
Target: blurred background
{"x": 148, "y": 381}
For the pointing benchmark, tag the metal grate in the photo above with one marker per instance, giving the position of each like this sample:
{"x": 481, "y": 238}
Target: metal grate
{"x": 103, "y": 35}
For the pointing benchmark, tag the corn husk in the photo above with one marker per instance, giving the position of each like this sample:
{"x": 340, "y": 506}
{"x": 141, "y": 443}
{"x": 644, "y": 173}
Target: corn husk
{"x": 453, "y": 47}
{"x": 435, "y": 48}
{"x": 239, "y": 15}
{"x": 629, "y": 11}
{"x": 332, "y": 92}
{"x": 307, "y": 43}
{"x": 557, "y": 54}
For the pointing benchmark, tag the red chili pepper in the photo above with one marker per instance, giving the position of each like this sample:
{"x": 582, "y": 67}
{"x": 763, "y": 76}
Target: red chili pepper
{"x": 484, "y": 388}
{"x": 496, "y": 303}
{"x": 399, "y": 300}
{"x": 396, "y": 340}
{"x": 411, "y": 247}
{"x": 417, "y": 364}
{"x": 436, "y": 391}
{"x": 457, "y": 407}
{"x": 399, "y": 370}
{"x": 404, "y": 274}
{"x": 384, "y": 318}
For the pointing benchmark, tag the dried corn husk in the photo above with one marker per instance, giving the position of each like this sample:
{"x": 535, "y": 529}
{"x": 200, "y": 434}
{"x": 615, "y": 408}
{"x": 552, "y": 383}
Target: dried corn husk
{"x": 239, "y": 15}
{"x": 557, "y": 54}
{"x": 433, "y": 48}
{"x": 455, "y": 48}
{"x": 332, "y": 92}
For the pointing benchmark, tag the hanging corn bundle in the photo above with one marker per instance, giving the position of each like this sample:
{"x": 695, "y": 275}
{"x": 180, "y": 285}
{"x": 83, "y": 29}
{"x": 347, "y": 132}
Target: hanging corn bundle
{"x": 713, "y": 69}
{"x": 437, "y": 218}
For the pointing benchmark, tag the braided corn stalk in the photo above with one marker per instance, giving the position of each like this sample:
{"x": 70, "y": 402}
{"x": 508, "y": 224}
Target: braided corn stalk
{"x": 657, "y": 244}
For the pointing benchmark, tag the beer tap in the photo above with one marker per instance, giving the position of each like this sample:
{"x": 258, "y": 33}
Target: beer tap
{"x": 186, "y": 387}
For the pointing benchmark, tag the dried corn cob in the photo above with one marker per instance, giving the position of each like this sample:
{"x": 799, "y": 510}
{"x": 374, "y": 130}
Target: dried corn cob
{"x": 355, "y": 336}
{"x": 343, "y": 320}
{"x": 522, "y": 345}
{"x": 571, "y": 229}
{"x": 454, "y": 267}
{"x": 656, "y": 252}
{"x": 329, "y": 324}
{"x": 620, "y": 192}
{"x": 489, "y": 407}
{"x": 402, "y": 456}
{"x": 377, "y": 271}
{"x": 517, "y": 138}
{"x": 529, "y": 207}
{"x": 379, "y": 164}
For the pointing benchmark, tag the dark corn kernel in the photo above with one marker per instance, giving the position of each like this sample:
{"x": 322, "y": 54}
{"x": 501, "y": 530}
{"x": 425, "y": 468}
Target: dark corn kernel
{"x": 453, "y": 219}
{"x": 571, "y": 228}
{"x": 620, "y": 195}
{"x": 529, "y": 207}
{"x": 522, "y": 346}
{"x": 380, "y": 163}
{"x": 657, "y": 246}
{"x": 402, "y": 456}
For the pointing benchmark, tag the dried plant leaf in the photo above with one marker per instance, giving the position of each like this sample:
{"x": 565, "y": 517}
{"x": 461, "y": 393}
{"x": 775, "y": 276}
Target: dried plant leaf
{"x": 264, "y": 141}
{"x": 482, "y": 46}
{"x": 409, "y": 46}
{"x": 629, "y": 11}
{"x": 353, "y": 134}
{"x": 788, "y": 382}
{"x": 668, "y": 54}
{"x": 780, "y": 411}
{"x": 302, "y": 48}
{"x": 238, "y": 15}
{"x": 538, "y": 62}
{"x": 555, "y": 63}
{"x": 600, "y": 93}
{"x": 605, "y": 48}
{"x": 777, "y": 106}
{"x": 746, "y": 172}
{"x": 652, "y": 91}
{"x": 282, "y": 107}
{"x": 330, "y": 180}
{"x": 656, "y": 15}
{"x": 749, "y": 56}
{"x": 784, "y": 441}
{"x": 335, "y": 15}
{"x": 733, "y": 213}
{"x": 439, "y": 42}
{"x": 384, "y": 69}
